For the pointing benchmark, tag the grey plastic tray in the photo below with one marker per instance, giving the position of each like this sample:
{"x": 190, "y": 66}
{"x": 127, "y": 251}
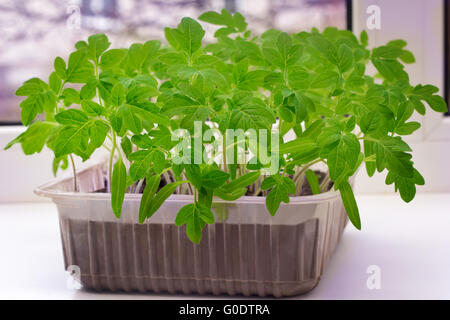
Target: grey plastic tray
{"x": 246, "y": 252}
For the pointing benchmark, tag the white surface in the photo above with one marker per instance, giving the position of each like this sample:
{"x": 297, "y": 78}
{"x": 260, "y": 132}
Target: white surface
{"x": 409, "y": 242}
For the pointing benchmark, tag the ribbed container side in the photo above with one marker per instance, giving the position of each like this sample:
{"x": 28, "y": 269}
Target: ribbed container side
{"x": 246, "y": 252}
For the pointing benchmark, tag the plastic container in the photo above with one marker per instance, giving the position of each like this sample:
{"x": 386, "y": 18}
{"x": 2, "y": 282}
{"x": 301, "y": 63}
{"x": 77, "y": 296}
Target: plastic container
{"x": 246, "y": 252}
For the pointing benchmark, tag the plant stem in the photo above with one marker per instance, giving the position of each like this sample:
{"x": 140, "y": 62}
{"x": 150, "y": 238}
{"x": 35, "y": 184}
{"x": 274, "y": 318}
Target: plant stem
{"x": 111, "y": 157}
{"x": 298, "y": 177}
{"x": 224, "y": 151}
{"x": 306, "y": 167}
{"x": 138, "y": 186}
{"x": 75, "y": 184}
{"x": 325, "y": 182}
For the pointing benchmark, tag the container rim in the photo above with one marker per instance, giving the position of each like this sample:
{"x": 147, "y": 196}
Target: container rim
{"x": 48, "y": 190}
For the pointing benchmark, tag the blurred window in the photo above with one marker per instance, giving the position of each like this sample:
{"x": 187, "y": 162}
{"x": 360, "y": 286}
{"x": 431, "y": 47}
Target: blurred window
{"x": 34, "y": 32}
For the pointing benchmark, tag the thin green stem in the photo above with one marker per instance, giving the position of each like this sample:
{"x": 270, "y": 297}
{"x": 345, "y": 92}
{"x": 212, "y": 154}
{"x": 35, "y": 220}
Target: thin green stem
{"x": 298, "y": 177}
{"x": 325, "y": 182}
{"x": 111, "y": 157}
{"x": 74, "y": 170}
{"x": 224, "y": 151}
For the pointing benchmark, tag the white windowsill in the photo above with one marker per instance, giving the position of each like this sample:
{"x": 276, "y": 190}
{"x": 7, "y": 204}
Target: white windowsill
{"x": 409, "y": 242}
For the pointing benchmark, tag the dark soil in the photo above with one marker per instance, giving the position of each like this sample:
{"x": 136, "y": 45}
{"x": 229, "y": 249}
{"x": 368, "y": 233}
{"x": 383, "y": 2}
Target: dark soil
{"x": 304, "y": 191}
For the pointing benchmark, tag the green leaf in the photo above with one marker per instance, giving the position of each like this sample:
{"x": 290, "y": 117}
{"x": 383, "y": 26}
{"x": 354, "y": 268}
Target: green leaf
{"x": 89, "y": 90}
{"x": 71, "y": 117}
{"x": 344, "y": 58}
{"x": 389, "y": 68}
{"x": 344, "y": 106}
{"x": 188, "y": 35}
{"x": 193, "y": 173}
{"x": 118, "y": 94}
{"x": 34, "y": 138}
{"x": 325, "y": 47}
{"x": 391, "y": 153}
{"x": 251, "y": 116}
{"x": 161, "y": 196}
{"x": 173, "y": 58}
{"x": 62, "y": 163}
{"x": 79, "y": 69}
{"x": 54, "y": 82}
{"x": 387, "y": 52}
{"x": 169, "y": 34}
{"x": 32, "y": 87}
{"x": 213, "y": 76}
{"x": 407, "y": 57}
{"x": 234, "y": 23}
{"x": 60, "y": 68}
{"x": 142, "y": 141}
{"x": 118, "y": 187}
{"x": 112, "y": 58}
{"x": 313, "y": 181}
{"x": 206, "y": 214}
{"x": 368, "y": 151}
{"x": 277, "y": 195}
{"x": 142, "y": 160}
{"x": 289, "y": 185}
{"x": 139, "y": 55}
{"x": 125, "y": 143}
{"x": 230, "y": 195}
{"x": 97, "y": 44}
{"x": 350, "y": 124}
{"x": 350, "y": 205}
{"x": 298, "y": 146}
{"x": 190, "y": 215}
{"x": 130, "y": 119}
{"x": 437, "y": 103}
{"x": 406, "y": 186}
{"x": 404, "y": 112}
{"x": 343, "y": 158}
{"x": 364, "y": 38}
{"x": 284, "y": 45}
{"x": 268, "y": 183}
{"x": 407, "y": 128}
{"x": 97, "y": 132}
{"x": 325, "y": 80}
{"x": 239, "y": 22}
{"x": 116, "y": 121}
{"x": 72, "y": 139}
{"x": 214, "y": 179}
{"x": 70, "y": 96}
{"x": 370, "y": 122}
{"x": 40, "y": 98}
{"x": 152, "y": 184}
{"x": 213, "y": 18}
{"x": 144, "y": 113}
{"x": 28, "y": 113}
{"x": 92, "y": 108}
{"x": 398, "y": 43}
{"x": 273, "y": 57}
